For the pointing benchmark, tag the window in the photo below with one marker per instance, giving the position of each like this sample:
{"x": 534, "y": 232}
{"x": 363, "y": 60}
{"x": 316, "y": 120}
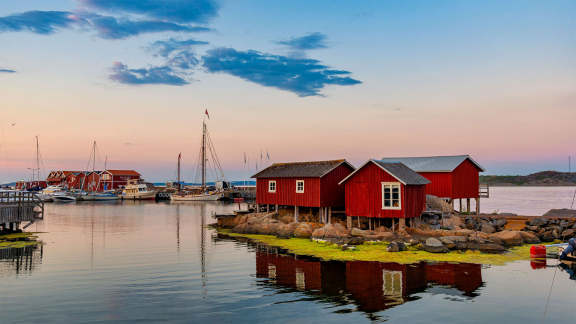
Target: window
{"x": 271, "y": 186}
{"x": 106, "y": 176}
{"x": 391, "y": 195}
{"x": 300, "y": 186}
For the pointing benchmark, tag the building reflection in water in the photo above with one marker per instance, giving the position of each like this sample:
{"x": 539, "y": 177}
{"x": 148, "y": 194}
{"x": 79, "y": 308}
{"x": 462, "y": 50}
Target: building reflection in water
{"x": 17, "y": 261}
{"x": 371, "y": 286}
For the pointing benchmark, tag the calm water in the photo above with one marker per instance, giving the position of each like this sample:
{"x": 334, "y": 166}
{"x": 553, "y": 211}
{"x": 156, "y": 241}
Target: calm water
{"x": 529, "y": 201}
{"x": 154, "y": 262}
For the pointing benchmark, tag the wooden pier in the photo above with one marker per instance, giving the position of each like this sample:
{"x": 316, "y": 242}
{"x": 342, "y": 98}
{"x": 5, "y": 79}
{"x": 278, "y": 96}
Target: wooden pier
{"x": 17, "y": 207}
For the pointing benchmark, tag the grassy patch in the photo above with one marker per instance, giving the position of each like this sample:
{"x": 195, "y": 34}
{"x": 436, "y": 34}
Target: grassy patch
{"x": 377, "y": 251}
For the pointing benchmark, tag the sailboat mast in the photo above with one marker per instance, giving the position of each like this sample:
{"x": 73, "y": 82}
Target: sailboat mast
{"x": 203, "y": 154}
{"x": 179, "y": 159}
{"x": 37, "y": 159}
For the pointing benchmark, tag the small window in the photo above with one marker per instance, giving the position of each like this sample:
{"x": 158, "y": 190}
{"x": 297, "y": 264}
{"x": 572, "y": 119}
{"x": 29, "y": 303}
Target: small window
{"x": 391, "y": 195}
{"x": 271, "y": 186}
{"x": 300, "y": 186}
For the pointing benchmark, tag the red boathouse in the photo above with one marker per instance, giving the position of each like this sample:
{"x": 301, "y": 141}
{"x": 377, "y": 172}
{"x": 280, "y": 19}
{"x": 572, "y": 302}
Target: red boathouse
{"x": 451, "y": 177}
{"x": 313, "y": 185}
{"x": 384, "y": 190}
{"x": 115, "y": 179}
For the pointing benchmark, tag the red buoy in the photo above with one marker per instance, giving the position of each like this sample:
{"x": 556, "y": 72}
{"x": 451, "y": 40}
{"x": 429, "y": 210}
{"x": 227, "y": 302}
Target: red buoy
{"x": 538, "y": 252}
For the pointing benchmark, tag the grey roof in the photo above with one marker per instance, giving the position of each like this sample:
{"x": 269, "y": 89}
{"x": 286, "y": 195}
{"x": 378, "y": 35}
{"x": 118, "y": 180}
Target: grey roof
{"x": 398, "y": 170}
{"x": 316, "y": 169}
{"x": 433, "y": 163}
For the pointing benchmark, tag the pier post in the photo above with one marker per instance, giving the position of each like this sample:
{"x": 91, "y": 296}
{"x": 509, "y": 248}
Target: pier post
{"x": 468, "y": 205}
{"x": 401, "y": 224}
{"x": 478, "y": 206}
{"x": 296, "y": 212}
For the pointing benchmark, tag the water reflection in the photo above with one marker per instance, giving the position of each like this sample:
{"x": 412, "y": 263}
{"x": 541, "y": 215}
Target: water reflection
{"x": 569, "y": 268}
{"x": 370, "y": 286}
{"x": 17, "y": 261}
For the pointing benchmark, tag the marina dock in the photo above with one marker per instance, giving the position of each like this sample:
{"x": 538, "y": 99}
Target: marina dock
{"x": 17, "y": 207}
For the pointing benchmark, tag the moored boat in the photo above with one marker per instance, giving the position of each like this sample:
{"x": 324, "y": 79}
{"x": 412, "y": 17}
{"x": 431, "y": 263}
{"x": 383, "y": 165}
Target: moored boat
{"x": 138, "y": 190}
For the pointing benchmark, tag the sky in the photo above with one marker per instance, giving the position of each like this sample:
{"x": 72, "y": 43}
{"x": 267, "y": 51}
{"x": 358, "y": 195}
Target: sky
{"x": 295, "y": 80}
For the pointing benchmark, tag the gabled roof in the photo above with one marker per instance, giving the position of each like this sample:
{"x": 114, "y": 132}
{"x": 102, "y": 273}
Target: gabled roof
{"x": 123, "y": 172}
{"x": 399, "y": 171}
{"x": 316, "y": 169}
{"x": 433, "y": 163}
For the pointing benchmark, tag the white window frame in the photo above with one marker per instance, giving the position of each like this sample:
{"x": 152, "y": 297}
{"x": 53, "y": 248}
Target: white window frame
{"x": 270, "y": 182}
{"x": 391, "y": 185}
{"x": 297, "y": 182}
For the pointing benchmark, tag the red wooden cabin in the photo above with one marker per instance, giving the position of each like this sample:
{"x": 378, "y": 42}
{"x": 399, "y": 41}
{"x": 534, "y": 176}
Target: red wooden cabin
{"x": 303, "y": 184}
{"x": 114, "y": 179}
{"x": 451, "y": 177}
{"x": 75, "y": 180}
{"x": 384, "y": 190}
{"x": 30, "y": 185}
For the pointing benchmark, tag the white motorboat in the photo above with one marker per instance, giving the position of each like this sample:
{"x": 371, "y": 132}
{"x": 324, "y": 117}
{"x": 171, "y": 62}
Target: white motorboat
{"x": 101, "y": 196}
{"x": 206, "y": 196}
{"x": 47, "y": 195}
{"x": 137, "y": 189}
{"x": 63, "y": 197}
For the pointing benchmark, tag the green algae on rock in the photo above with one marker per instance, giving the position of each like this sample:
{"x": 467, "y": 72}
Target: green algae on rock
{"x": 376, "y": 251}
{"x": 18, "y": 240}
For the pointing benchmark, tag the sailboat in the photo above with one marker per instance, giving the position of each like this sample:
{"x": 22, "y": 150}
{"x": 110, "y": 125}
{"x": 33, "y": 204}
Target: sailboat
{"x": 94, "y": 195}
{"x": 203, "y": 193}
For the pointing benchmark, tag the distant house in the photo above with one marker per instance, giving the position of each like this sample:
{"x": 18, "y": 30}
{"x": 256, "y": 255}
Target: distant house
{"x": 30, "y": 185}
{"x": 59, "y": 178}
{"x": 451, "y": 177}
{"x": 303, "y": 184}
{"x": 381, "y": 190}
{"x": 114, "y": 179}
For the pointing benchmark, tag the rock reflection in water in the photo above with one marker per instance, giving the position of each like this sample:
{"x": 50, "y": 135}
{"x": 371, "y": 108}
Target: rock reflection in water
{"x": 17, "y": 261}
{"x": 371, "y": 286}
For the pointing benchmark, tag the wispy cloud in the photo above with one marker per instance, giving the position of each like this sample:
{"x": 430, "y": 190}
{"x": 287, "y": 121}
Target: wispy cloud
{"x": 181, "y": 11}
{"x": 305, "y": 77}
{"x": 114, "y": 28}
{"x": 109, "y": 27}
{"x": 7, "y": 70}
{"x": 151, "y": 75}
{"x": 39, "y": 22}
{"x": 165, "y": 48}
{"x": 306, "y": 42}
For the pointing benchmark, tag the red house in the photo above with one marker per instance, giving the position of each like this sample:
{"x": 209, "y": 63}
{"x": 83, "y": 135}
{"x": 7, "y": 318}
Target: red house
{"x": 114, "y": 179}
{"x": 451, "y": 177}
{"x": 384, "y": 190}
{"x": 303, "y": 184}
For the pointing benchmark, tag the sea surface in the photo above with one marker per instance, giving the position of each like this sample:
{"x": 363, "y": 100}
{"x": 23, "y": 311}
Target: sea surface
{"x": 145, "y": 262}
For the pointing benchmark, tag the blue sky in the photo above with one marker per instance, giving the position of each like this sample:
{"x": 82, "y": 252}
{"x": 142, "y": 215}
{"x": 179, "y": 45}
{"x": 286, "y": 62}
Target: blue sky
{"x": 304, "y": 79}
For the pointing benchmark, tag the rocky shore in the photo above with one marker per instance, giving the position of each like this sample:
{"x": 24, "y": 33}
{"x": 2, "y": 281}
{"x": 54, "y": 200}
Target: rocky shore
{"x": 486, "y": 234}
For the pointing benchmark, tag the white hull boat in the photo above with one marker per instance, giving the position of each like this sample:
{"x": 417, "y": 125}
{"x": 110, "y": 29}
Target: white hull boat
{"x": 63, "y": 198}
{"x": 198, "y": 197}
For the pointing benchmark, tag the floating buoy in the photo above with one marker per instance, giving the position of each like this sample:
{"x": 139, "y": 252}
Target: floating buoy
{"x": 538, "y": 252}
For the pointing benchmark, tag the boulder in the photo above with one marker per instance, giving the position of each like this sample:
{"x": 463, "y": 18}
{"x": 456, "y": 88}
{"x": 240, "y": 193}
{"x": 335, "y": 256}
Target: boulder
{"x": 499, "y": 222}
{"x": 547, "y": 236}
{"x": 304, "y": 230}
{"x": 330, "y": 231}
{"x": 463, "y": 232}
{"x": 509, "y": 238}
{"x": 487, "y": 247}
{"x": 448, "y": 243}
{"x": 358, "y": 232}
{"x": 383, "y": 236}
{"x": 396, "y": 247}
{"x": 529, "y": 237}
{"x": 487, "y": 228}
{"x": 569, "y": 233}
{"x": 538, "y": 221}
{"x": 532, "y": 228}
{"x": 434, "y": 245}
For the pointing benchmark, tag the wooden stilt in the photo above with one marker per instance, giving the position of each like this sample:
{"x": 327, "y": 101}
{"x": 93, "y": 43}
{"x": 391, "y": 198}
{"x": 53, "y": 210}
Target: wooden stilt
{"x": 276, "y": 210}
{"x": 402, "y": 224}
{"x": 468, "y": 205}
{"x": 358, "y": 219}
{"x": 478, "y": 206}
{"x": 296, "y": 212}
{"x": 460, "y": 200}
{"x": 349, "y": 222}
{"x": 267, "y": 208}
{"x": 329, "y": 215}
